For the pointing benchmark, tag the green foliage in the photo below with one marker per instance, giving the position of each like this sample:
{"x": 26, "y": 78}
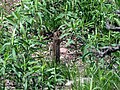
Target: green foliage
{"x": 22, "y": 46}
{"x": 98, "y": 79}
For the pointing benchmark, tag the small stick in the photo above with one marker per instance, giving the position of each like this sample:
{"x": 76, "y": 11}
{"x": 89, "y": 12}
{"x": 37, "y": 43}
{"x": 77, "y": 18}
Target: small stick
{"x": 107, "y": 51}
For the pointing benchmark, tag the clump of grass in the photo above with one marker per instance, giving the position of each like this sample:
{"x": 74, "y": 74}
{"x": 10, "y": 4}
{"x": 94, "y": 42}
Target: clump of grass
{"x": 21, "y": 39}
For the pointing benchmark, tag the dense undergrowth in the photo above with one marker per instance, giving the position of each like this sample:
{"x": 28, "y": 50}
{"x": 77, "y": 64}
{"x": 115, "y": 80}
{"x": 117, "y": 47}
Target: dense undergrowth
{"x": 23, "y": 32}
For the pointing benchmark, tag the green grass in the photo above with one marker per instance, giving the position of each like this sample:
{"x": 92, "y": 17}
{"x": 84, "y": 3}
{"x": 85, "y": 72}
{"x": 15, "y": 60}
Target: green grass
{"x": 21, "y": 38}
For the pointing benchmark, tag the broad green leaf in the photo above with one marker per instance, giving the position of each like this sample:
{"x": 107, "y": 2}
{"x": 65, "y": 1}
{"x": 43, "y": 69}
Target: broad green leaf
{"x": 25, "y": 84}
{"x": 14, "y": 54}
{"x": 36, "y": 5}
{"x": 32, "y": 62}
{"x": 13, "y": 36}
{"x": 23, "y": 31}
{"x": 4, "y": 46}
{"x": 28, "y": 74}
{"x": 60, "y": 16}
{"x": 15, "y": 15}
{"x": 117, "y": 21}
{"x": 40, "y": 17}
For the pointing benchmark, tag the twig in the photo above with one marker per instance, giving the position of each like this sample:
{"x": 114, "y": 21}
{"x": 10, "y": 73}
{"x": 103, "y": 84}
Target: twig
{"x": 106, "y": 51}
{"x": 112, "y": 27}
{"x": 118, "y": 12}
